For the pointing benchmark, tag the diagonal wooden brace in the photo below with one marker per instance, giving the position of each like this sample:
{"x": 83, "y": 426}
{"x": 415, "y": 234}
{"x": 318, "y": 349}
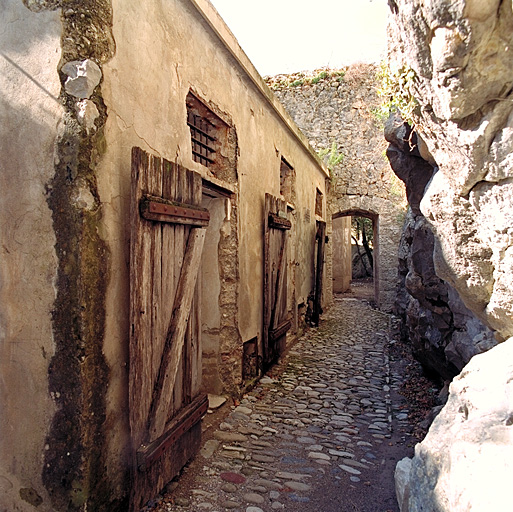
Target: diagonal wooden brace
{"x": 172, "y": 352}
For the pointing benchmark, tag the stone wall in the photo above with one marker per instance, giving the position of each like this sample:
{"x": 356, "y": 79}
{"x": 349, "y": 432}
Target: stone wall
{"x": 459, "y": 60}
{"x": 337, "y": 106}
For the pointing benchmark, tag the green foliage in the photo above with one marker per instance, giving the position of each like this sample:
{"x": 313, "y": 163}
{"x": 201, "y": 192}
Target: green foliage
{"x": 361, "y": 225}
{"x": 331, "y": 157}
{"x": 396, "y": 187}
{"x": 397, "y": 93}
{"x": 298, "y": 79}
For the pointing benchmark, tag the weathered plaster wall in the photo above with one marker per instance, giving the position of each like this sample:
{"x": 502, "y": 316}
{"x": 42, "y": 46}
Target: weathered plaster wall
{"x": 210, "y": 290}
{"x": 147, "y": 109}
{"x": 30, "y": 113}
{"x": 80, "y": 87}
{"x": 336, "y": 107}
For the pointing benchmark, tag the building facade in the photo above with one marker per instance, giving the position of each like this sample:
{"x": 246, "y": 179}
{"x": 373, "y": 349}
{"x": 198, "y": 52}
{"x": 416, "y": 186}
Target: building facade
{"x": 162, "y": 220}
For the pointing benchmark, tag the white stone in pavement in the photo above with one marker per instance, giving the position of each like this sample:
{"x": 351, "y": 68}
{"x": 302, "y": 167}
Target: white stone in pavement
{"x": 215, "y": 401}
{"x": 244, "y": 410}
{"x": 318, "y": 455}
{"x": 349, "y": 469}
{"x": 298, "y": 486}
{"x": 337, "y": 453}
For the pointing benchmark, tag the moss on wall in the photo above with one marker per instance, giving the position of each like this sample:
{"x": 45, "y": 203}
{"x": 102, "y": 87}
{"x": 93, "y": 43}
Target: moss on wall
{"x": 74, "y": 467}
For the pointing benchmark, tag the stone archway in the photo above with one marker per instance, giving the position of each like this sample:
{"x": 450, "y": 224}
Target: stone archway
{"x": 387, "y": 222}
{"x": 342, "y": 250}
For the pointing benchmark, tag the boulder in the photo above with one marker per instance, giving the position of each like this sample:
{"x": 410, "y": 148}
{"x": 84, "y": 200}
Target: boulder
{"x": 466, "y": 460}
{"x": 462, "y": 65}
{"x": 402, "y": 483}
{"x": 459, "y": 55}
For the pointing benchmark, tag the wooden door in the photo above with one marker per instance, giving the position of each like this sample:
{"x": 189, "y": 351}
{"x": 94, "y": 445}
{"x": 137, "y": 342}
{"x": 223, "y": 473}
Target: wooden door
{"x": 167, "y": 234}
{"x": 277, "y": 320}
{"x": 320, "y": 240}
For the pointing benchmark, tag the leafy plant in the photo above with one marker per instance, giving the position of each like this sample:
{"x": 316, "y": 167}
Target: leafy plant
{"x": 331, "y": 157}
{"x": 397, "y": 93}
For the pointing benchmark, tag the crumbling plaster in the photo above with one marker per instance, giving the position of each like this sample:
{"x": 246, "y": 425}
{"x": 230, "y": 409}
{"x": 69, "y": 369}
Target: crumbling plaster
{"x": 80, "y": 94}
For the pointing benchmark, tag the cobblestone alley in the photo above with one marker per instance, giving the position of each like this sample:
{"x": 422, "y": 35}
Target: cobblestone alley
{"x": 323, "y": 433}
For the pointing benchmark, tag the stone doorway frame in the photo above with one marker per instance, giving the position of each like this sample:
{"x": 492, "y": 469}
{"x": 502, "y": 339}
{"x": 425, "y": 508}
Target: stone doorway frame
{"x": 374, "y": 217}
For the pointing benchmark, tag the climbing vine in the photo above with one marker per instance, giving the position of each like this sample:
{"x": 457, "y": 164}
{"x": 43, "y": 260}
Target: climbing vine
{"x": 397, "y": 93}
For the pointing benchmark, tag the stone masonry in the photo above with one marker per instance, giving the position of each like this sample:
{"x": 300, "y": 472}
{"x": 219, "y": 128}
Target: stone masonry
{"x": 337, "y": 106}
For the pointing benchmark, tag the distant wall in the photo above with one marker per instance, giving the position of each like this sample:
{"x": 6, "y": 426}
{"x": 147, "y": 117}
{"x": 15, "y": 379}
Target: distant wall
{"x": 336, "y": 106}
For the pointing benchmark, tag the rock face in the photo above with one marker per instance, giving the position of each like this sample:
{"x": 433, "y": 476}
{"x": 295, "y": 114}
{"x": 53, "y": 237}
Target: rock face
{"x": 462, "y": 63}
{"x": 444, "y": 333}
{"x": 460, "y": 54}
{"x": 466, "y": 460}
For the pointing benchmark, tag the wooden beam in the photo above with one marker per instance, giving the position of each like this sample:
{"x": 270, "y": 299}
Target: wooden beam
{"x": 277, "y": 222}
{"x": 184, "y": 421}
{"x": 163, "y": 388}
{"x": 280, "y": 331}
{"x": 161, "y": 210}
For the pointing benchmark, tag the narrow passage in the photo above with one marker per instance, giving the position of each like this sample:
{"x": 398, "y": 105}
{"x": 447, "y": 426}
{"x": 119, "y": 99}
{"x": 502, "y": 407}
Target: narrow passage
{"x": 322, "y": 434}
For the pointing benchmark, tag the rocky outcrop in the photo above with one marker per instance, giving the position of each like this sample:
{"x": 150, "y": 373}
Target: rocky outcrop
{"x": 459, "y": 55}
{"x": 466, "y": 460}
{"x": 444, "y": 334}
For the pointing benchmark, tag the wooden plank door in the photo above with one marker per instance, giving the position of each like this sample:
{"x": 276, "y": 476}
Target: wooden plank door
{"x": 167, "y": 234}
{"x": 320, "y": 240}
{"x": 277, "y": 320}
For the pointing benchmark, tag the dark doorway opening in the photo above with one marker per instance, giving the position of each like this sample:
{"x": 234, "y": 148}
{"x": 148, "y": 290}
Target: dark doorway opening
{"x": 362, "y": 257}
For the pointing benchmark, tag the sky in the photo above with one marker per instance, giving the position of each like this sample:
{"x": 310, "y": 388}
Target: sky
{"x": 285, "y": 36}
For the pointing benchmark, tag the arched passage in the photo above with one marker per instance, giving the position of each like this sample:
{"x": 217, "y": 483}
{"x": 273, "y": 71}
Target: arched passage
{"x": 342, "y": 255}
{"x": 387, "y": 219}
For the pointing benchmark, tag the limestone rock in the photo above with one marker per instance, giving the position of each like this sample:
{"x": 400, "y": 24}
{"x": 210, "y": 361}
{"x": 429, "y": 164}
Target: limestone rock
{"x": 443, "y": 332}
{"x": 460, "y": 54}
{"x": 466, "y": 460}
{"x": 87, "y": 113}
{"x": 83, "y": 77}
{"x": 402, "y": 483}
{"x": 215, "y": 401}
{"x": 406, "y": 161}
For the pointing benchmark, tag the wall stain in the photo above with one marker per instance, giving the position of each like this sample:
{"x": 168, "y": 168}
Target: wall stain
{"x": 74, "y": 471}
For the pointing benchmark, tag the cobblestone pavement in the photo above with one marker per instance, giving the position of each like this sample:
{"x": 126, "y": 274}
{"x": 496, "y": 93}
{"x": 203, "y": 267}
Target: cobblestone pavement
{"x": 322, "y": 434}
